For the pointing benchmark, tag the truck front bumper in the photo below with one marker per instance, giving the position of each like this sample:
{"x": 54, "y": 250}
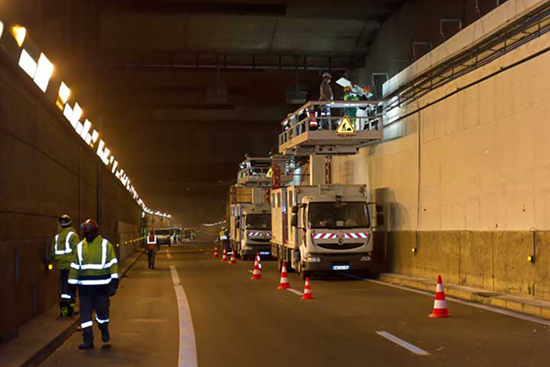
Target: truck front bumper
{"x": 338, "y": 262}
{"x": 253, "y": 249}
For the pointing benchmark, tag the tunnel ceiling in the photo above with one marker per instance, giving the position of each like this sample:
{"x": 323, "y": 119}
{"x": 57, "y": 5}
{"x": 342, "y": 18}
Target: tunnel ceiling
{"x": 187, "y": 88}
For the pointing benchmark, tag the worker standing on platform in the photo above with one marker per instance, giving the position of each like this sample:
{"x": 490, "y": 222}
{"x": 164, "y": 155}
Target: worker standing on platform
{"x": 326, "y": 95}
{"x": 95, "y": 271}
{"x": 152, "y": 248}
{"x": 62, "y": 252}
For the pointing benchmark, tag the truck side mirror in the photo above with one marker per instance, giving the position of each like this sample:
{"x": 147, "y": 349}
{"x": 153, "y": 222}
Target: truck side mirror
{"x": 294, "y": 219}
{"x": 379, "y": 219}
{"x": 294, "y": 209}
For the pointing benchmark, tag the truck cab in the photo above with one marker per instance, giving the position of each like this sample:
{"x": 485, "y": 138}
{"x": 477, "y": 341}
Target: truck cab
{"x": 255, "y": 226}
{"x": 325, "y": 228}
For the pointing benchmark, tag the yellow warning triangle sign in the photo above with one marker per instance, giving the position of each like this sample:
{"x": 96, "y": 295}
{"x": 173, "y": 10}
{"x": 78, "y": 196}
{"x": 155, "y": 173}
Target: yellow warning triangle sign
{"x": 346, "y": 127}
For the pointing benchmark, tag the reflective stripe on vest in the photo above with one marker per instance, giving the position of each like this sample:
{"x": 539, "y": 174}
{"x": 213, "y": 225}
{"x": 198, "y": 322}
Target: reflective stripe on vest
{"x": 68, "y": 249}
{"x": 104, "y": 264}
{"x": 224, "y": 237}
{"x": 153, "y": 241}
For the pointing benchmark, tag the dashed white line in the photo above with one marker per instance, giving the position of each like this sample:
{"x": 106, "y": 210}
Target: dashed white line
{"x": 187, "y": 345}
{"x": 292, "y": 290}
{"x": 402, "y": 343}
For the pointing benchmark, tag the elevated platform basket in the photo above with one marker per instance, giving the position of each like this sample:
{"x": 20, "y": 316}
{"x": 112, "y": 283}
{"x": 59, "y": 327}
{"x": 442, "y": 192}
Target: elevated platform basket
{"x": 333, "y": 128}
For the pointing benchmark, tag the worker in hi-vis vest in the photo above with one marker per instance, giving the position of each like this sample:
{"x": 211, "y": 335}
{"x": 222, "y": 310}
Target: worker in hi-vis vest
{"x": 152, "y": 248}
{"x": 62, "y": 252}
{"x": 94, "y": 270}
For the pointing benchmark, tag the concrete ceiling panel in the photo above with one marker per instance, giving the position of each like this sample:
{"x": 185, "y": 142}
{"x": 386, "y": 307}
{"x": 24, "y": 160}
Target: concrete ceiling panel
{"x": 230, "y": 33}
{"x": 143, "y": 32}
{"x": 320, "y": 35}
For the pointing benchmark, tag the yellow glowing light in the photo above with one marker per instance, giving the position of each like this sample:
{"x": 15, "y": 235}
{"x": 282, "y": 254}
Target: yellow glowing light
{"x": 413, "y": 250}
{"x": 50, "y": 266}
{"x": 530, "y": 258}
{"x": 19, "y": 33}
{"x": 64, "y": 93}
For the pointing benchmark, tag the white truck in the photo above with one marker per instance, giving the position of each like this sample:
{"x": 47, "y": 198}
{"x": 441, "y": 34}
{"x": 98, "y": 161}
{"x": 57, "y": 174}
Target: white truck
{"x": 250, "y": 221}
{"x": 323, "y": 228}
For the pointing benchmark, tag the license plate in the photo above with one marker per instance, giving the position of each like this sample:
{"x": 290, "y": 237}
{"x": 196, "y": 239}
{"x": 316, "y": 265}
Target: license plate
{"x": 264, "y": 252}
{"x": 340, "y": 267}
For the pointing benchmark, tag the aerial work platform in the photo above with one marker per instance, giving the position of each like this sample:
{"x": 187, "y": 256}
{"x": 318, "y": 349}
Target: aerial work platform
{"x": 333, "y": 128}
{"x": 254, "y": 172}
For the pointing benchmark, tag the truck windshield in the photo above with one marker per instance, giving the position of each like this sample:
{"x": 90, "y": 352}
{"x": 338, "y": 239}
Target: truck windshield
{"x": 162, "y": 232}
{"x": 338, "y": 215}
{"x": 258, "y": 221}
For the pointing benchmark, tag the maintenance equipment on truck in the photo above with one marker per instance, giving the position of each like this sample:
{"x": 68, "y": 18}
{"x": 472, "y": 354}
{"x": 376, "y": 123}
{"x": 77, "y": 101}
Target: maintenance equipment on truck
{"x": 321, "y": 226}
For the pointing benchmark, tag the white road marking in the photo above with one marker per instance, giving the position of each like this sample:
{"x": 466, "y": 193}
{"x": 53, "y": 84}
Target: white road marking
{"x": 402, "y": 343}
{"x": 295, "y": 291}
{"x": 459, "y": 301}
{"x": 187, "y": 344}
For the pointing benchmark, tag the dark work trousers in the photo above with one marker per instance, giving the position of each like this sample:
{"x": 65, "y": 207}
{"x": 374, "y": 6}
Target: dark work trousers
{"x": 151, "y": 254}
{"x": 93, "y": 298}
{"x": 65, "y": 298}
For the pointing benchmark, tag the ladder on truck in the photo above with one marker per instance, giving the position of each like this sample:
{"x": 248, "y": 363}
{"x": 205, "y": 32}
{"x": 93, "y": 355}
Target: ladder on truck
{"x": 333, "y": 128}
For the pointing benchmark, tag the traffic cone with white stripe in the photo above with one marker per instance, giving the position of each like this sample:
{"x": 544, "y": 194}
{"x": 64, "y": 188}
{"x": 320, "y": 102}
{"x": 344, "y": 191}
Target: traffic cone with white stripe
{"x": 257, "y": 274}
{"x": 215, "y": 251}
{"x": 284, "y": 284}
{"x": 233, "y": 260}
{"x": 307, "y": 291}
{"x": 440, "y": 304}
{"x": 224, "y": 256}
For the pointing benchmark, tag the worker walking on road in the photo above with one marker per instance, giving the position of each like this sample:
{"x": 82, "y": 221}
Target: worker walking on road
{"x": 94, "y": 270}
{"x": 152, "y": 248}
{"x": 62, "y": 252}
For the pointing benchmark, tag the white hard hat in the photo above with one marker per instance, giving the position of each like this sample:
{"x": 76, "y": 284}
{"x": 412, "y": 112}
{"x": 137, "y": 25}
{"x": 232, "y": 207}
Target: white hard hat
{"x": 326, "y": 75}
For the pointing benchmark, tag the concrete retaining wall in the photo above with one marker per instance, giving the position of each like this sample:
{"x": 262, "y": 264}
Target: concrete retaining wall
{"x": 466, "y": 176}
{"x": 46, "y": 171}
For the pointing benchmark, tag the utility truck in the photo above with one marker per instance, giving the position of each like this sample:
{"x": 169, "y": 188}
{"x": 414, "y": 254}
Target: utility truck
{"x": 323, "y": 228}
{"x": 250, "y": 221}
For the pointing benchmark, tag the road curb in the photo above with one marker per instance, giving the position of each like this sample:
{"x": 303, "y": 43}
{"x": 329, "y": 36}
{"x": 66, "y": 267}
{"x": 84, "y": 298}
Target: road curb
{"x": 66, "y": 333}
{"x": 531, "y": 307}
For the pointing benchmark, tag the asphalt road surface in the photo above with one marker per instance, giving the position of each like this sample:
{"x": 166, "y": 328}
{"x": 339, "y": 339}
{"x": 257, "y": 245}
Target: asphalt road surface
{"x": 234, "y": 321}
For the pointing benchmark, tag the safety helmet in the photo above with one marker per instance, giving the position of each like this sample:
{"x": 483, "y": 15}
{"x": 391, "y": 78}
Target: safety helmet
{"x": 152, "y": 231}
{"x": 347, "y": 89}
{"x": 326, "y": 75}
{"x": 65, "y": 220}
{"x": 366, "y": 90}
{"x": 89, "y": 226}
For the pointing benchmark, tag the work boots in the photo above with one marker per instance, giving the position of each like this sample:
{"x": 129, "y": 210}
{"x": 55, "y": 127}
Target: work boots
{"x": 87, "y": 338}
{"x": 105, "y": 335}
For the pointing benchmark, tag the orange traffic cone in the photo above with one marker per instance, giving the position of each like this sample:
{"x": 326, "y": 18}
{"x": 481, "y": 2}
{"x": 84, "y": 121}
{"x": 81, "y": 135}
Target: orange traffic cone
{"x": 307, "y": 291}
{"x": 215, "y": 251}
{"x": 440, "y": 304}
{"x": 284, "y": 284}
{"x": 257, "y": 274}
{"x": 224, "y": 256}
{"x": 233, "y": 260}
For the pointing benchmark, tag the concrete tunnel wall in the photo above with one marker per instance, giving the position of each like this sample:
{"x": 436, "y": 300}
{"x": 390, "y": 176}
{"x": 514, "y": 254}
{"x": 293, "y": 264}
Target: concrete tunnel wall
{"x": 467, "y": 179}
{"x": 46, "y": 170}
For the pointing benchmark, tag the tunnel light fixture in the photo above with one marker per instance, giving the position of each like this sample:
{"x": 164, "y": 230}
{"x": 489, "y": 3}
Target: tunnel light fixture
{"x": 27, "y": 63}
{"x": 115, "y": 164}
{"x": 19, "y": 33}
{"x": 68, "y": 112}
{"x": 79, "y": 128}
{"x": 86, "y": 129}
{"x": 43, "y": 72}
{"x": 64, "y": 93}
{"x": 1, "y": 29}
{"x": 77, "y": 114}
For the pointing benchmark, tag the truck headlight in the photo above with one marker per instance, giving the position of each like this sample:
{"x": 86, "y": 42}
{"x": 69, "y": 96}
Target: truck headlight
{"x": 312, "y": 259}
{"x": 366, "y": 258}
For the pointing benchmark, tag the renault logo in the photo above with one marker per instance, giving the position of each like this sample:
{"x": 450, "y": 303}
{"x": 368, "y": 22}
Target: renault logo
{"x": 340, "y": 241}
